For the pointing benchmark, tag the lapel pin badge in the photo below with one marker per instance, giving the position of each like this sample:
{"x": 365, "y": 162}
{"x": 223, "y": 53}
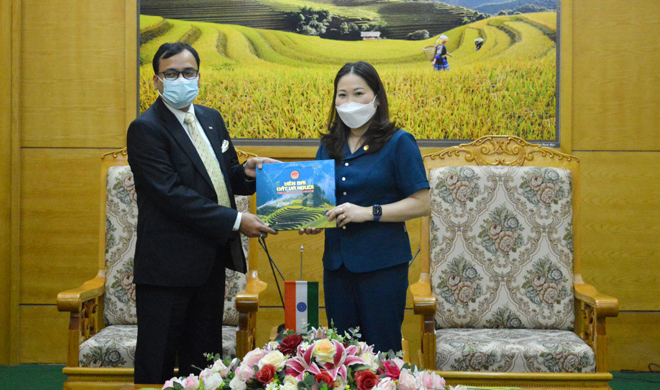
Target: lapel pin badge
{"x": 366, "y": 147}
{"x": 211, "y": 127}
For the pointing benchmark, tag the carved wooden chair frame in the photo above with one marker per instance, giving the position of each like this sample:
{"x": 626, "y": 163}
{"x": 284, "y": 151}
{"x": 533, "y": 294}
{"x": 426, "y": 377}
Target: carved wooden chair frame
{"x": 591, "y": 307}
{"x": 85, "y": 303}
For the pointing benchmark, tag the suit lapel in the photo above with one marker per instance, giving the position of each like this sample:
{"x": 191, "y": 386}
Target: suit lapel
{"x": 179, "y": 134}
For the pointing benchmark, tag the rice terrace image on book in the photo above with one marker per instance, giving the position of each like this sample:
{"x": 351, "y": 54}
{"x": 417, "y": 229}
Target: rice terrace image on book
{"x": 268, "y": 65}
{"x": 296, "y": 195}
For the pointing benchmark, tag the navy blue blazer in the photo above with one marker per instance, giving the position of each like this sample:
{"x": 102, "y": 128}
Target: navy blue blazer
{"x": 182, "y": 231}
{"x": 393, "y": 173}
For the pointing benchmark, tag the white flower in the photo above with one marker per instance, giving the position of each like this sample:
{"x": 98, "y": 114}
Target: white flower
{"x": 457, "y": 387}
{"x": 219, "y": 367}
{"x": 272, "y": 386}
{"x": 276, "y": 358}
{"x": 271, "y": 346}
{"x": 370, "y": 360}
{"x": 339, "y": 384}
{"x": 386, "y": 384}
{"x": 212, "y": 382}
{"x": 237, "y": 384}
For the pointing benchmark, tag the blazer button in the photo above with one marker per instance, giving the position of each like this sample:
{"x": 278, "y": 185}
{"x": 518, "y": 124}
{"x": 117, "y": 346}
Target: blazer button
{"x": 344, "y": 192}
{"x": 343, "y": 227}
{"x": 343, "y": 179}
{"x": 346, "y": 164}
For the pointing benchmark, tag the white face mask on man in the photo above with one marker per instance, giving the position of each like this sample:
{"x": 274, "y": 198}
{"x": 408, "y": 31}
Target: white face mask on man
{"x": 180, "y": 92}
{"x": 355, "y": 115}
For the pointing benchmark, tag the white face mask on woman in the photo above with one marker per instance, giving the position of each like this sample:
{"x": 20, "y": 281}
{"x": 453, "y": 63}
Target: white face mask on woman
{"x": 355, "y": 115}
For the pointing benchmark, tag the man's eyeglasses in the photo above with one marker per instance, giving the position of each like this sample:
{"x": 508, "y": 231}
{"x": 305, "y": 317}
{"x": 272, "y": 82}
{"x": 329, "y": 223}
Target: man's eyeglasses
{"x": 173, "y": 74}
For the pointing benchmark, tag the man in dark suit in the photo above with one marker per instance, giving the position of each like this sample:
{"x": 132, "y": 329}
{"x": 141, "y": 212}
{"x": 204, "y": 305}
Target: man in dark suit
{"x": 186, "y": 174}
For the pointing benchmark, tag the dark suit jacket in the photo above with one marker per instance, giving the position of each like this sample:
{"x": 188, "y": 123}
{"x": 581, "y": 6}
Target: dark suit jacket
{"x": 181, "y": 229}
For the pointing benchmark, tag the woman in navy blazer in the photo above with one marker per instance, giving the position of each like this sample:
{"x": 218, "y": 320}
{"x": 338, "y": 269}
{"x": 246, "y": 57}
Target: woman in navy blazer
{"x": 380, "y": 184}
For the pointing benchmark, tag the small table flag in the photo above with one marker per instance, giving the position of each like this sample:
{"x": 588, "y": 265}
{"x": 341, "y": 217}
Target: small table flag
{"x": 301, "y": 305}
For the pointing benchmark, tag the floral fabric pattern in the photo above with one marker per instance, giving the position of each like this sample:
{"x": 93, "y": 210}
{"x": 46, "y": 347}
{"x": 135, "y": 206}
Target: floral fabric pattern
{"x": 502, "y": 257}
{"x": 120, "y": 239}
{"x": 114, "y": 346}
{"x": 121, "y": 225}
{"x": 513, "y": 350}
{"x": 458, "y": 185}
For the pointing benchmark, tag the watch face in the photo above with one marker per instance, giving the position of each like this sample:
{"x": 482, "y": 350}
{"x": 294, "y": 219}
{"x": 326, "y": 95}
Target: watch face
{"x": 378, "y": 210}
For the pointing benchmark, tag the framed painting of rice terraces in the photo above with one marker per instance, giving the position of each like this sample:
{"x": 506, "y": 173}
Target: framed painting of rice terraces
{"x": 268, "y": 65}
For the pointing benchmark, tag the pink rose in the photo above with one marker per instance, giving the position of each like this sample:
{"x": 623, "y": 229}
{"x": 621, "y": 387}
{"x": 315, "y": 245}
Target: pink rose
{"x": 407, "y": 380}
{"x": 462, "y": 191}
{"x": 244, "y": 372}
{"x": 430, "y": 381}
{"x": 386, "y": 384}
{"x": 191, "y": 383}
{"x": 252, "y": 358}
{"x": 390, "y": 370}
{"x": 546, "y": 193}
{"x": 506, "y": 242}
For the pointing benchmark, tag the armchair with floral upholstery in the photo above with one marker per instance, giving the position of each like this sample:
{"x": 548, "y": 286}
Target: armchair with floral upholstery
{"x": 501, "y": 295}
{"x": 103, "y": 324}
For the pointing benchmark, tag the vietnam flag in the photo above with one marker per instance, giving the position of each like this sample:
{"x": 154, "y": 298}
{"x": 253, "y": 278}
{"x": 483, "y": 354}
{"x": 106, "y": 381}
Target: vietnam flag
{"x": 301, "y": 300}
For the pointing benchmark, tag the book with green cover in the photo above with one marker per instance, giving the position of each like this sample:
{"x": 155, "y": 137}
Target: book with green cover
{"x": 296, "y": 195}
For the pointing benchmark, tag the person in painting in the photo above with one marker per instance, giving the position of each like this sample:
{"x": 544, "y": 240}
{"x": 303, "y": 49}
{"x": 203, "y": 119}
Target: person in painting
{"x": 186, "y": 173}
{"x": 478, "y": 42}
{"x": 380, "y": 183}
{"x": 440, "y": 59}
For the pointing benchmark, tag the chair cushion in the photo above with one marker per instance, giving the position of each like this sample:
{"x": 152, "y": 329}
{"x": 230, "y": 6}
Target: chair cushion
{"x": 501, "y": 247}
{"x": 114, "y": 346}
{"x": 513, "y": 350}
{"x": 120, "y": 237}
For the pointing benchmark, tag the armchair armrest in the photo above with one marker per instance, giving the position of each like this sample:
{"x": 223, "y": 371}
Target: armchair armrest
{"x": 248, "y": 300}
{"x": 593, "y": 308}
{"x": 72, "y": 300}
{"x": 605, "y": 306}
{"x": 424, "y": 302}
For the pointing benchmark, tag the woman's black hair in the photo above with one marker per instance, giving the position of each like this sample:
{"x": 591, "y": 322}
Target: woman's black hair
{"x": 380, "y": 128}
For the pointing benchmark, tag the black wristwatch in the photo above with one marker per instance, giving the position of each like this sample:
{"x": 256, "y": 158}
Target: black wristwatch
{"x": 378, "y": 212}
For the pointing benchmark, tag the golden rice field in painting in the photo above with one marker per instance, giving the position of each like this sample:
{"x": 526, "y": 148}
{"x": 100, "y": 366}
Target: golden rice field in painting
{"x": 274, "y": 84}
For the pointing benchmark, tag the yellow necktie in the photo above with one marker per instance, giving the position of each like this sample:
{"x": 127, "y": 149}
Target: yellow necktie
{"x": 212, "y": 167}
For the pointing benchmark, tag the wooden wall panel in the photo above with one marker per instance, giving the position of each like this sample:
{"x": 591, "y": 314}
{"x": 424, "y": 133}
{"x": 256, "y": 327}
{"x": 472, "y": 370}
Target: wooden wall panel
{"x": 616, "y": 79}
{"x": 74, "y": 73}
{"x": 44, "y": 335}
{"x": 633, "y": 341}
{"x": 5, "y": 180}
{"x": 59, "y": 219}
{"x": 621, "y": 225}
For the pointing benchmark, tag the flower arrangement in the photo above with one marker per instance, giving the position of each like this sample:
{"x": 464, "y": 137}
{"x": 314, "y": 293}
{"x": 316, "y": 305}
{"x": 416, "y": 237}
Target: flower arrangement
{"x": 320, "y": 360}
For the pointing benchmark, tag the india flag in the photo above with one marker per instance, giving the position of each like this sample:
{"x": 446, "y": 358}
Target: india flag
{"x": 301, "y": 300}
